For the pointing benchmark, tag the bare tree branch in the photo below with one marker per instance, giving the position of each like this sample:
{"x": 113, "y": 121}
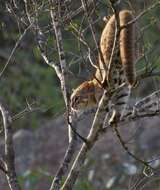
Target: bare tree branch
{"x": 55, "y": 16}
{"x": 141, "y": 14}
{"x": 9, "y": 150}
{"x": 57, "y": 181}
{"x": 91, "y": 139}
{"x": 14, "y": 49}
{"x": 55, "y": 12}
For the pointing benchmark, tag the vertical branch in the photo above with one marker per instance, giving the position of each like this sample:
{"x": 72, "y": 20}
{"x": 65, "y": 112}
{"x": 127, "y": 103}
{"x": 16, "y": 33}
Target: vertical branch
{"x": 57, "y": 181}
{"x": 89, "y": 18}
{"x": 91, "y": 139}
{"x": 55, "y": 12}
{"x": 9, "y": 150}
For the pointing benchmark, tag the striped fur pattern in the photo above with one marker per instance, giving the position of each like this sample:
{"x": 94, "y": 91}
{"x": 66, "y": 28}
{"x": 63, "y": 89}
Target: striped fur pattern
{"x": 127, "y": 47}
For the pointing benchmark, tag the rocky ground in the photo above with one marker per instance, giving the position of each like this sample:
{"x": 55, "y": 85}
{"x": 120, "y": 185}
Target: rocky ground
{"x": 39, "y": 153}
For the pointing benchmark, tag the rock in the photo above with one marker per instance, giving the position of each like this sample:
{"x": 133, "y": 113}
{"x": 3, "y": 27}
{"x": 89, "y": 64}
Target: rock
{"x": 25, "y": 144}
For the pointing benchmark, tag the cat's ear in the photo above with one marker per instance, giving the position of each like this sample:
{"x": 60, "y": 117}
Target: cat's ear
{"x": 106, "y": 18}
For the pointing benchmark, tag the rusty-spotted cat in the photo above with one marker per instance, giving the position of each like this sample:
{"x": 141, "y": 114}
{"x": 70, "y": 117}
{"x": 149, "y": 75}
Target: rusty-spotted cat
{"x": 88, "y": 94}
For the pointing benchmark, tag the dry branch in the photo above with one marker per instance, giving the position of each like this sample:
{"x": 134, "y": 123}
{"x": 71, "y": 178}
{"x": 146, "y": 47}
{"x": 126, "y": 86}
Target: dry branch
{"x": 55, "y": 16}
{"x": 55, "y": 12}
{"x": 141, "y": 14}
{"x": 91, "y": 139}
{"x": 14, "y": 49}
{"x": 9, "y": 150}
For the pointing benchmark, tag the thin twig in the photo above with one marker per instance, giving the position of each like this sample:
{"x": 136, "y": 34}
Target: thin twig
{"x": 115, "y": 47}
{"x": 14, "y": 49}
{"x": 141, "y": 14}
{"x": 92, "y": 29}
{"x": 125, "y": 147}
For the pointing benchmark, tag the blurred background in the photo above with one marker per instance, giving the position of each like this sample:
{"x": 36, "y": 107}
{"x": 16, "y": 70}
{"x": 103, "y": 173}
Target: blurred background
{"x": 32, "y": 91}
